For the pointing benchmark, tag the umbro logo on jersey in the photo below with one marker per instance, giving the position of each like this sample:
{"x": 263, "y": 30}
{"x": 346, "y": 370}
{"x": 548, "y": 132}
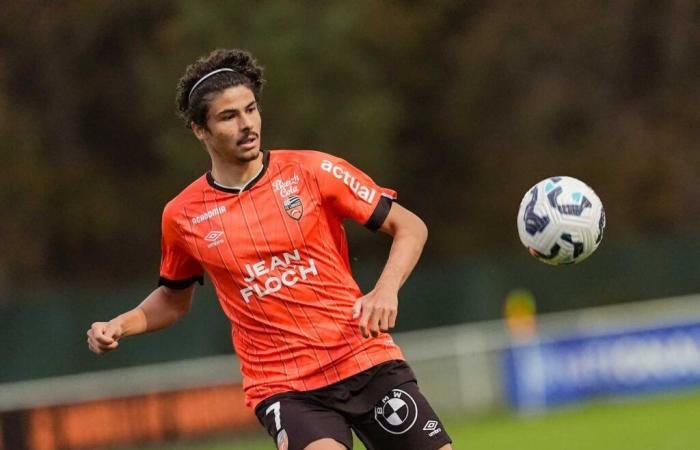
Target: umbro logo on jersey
{"x": 213, "y": 238}
{"x": 294, "y": 207}
{"x": 213, "y": 235}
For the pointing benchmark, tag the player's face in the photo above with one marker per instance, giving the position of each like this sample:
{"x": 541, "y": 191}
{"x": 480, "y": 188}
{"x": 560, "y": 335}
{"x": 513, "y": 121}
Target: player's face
{"x": 233, "y": 125}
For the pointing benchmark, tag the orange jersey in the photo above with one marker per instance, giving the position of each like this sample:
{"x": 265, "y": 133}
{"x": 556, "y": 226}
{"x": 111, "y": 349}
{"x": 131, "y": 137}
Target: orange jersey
{"x": 277, "y": 255}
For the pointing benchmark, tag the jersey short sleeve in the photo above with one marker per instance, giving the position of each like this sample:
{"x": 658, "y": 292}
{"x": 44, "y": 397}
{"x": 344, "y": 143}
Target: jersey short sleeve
{"x": 178, "y": 268}
{"x": 351, "y": 193}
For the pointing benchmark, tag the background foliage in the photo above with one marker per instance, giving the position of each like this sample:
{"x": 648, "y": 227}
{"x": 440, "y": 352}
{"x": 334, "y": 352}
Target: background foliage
{"x": 460, "y": 106}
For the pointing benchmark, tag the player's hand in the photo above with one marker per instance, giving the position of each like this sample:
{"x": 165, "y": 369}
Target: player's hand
{"x": 103, "y": 337}
{"x": 377, "y": 312}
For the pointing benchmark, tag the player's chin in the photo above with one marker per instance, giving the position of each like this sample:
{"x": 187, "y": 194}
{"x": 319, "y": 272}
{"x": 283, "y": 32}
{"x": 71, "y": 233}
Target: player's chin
{"x": 247, "y": 155}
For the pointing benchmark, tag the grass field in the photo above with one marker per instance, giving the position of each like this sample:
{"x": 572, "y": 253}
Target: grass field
{"x": 652, "y": 423}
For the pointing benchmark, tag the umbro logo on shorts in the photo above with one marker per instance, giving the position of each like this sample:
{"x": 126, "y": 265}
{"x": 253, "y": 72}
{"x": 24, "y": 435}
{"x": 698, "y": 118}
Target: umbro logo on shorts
{"x": 396, "y": 412}
{"x": 432, "y": 426}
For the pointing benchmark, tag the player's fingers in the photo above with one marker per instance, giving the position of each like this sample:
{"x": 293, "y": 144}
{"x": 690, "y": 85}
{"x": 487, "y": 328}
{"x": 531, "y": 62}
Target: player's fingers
{"x": 104, "y": 348}
{"x": 93, "y": 348}
{"x": 374, "y": 321}
{"x": 392, "y": 318}
{"x": 99, "y": 333}
{"x": 363, "y": 326}
{"x": 113, "y": 331}
{"x": 357, "y": 309}
{"x": 363, "y": 330}
{"x": 107, "y": 334}
{"x": 91, "y": 340}
{"x": 365, "y": 317}
{"x": 384, "y": 320}
{"x": 103, "y": 339}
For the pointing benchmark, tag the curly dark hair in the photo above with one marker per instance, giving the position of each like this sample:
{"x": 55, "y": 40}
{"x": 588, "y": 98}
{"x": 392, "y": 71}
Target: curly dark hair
{"x": 193, "y": 105}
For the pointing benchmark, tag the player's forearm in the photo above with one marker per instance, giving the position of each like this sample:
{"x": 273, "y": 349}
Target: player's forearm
{"x": 406, "y": 248}
{"x": 165, "y": 306}
{"x": 160, "y": 309}
{"x": 131, "y": 322}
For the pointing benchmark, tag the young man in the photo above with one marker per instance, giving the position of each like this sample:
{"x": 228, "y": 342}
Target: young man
{"x": 267, "y": 228}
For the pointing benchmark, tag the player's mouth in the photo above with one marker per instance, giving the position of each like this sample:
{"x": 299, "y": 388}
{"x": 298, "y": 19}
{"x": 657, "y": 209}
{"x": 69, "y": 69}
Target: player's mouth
{"x": 249, "y": 142}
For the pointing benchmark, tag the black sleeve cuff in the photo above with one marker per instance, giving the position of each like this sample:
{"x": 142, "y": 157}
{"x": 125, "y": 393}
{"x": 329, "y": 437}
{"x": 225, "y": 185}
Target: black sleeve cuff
{"x": 380, "y": 212}
{"x": 180, "y": 284}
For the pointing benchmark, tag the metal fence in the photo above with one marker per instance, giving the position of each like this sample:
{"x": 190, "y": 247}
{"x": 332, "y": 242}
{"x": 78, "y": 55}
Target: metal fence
{"x": 459, "y": 368}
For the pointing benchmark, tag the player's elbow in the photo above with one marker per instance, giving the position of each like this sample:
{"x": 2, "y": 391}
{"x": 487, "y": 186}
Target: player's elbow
{"x": 183, "y": 308}
{"x": 179, "y": 301}
{"x": 414, "y": 228}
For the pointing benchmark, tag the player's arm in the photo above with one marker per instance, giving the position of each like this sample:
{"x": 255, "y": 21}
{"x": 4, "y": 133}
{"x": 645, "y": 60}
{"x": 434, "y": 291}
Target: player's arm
{"x": 163, "y": 307}
{"x": 378, "y": 309}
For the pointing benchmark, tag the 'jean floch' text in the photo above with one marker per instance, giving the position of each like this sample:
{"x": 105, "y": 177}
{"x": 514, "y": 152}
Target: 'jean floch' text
{"x": 273, "y": 283}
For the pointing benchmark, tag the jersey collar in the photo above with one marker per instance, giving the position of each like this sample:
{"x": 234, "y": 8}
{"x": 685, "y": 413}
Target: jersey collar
{"x": 249, "y": 184}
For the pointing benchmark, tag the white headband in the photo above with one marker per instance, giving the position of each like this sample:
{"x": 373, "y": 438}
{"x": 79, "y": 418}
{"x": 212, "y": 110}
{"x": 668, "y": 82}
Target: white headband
{"x": 213, "y": 72}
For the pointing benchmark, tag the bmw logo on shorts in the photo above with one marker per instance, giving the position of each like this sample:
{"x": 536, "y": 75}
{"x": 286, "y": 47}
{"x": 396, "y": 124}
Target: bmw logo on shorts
{"x": 396, "y": 412}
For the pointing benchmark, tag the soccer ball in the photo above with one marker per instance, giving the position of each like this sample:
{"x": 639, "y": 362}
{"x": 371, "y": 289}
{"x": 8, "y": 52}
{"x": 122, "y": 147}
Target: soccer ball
{"x": 561, "y": 221}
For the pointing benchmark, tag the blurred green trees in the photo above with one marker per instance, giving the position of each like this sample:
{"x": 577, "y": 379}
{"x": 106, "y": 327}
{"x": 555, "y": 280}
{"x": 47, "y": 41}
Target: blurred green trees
{"x": 460, "y": 106}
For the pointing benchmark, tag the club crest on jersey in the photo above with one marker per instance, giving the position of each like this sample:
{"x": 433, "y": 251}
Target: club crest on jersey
{"x": 396, "y": 412}
{"x": 294, "y": 207}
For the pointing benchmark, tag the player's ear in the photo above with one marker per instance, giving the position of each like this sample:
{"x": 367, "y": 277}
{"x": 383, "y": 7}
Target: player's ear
{"x": 198, "y": 130}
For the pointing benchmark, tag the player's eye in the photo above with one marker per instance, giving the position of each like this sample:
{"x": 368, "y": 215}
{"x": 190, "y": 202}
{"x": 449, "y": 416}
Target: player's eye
{"x": 251, "y": 108}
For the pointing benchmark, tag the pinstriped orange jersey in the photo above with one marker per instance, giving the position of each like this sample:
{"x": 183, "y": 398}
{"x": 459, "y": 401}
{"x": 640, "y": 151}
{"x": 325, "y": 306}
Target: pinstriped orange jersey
{"x": 277, "y": 255}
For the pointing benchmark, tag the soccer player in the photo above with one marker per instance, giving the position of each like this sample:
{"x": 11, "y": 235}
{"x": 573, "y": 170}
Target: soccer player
{"x": 267, "y": 226}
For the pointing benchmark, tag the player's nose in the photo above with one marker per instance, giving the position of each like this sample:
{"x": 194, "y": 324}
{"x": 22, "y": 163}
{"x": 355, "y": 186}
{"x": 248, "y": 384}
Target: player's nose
{"x": 245, "y": 123}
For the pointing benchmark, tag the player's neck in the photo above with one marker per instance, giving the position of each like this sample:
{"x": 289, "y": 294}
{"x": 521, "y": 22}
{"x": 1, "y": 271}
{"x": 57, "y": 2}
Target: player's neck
{"x": 235, "y": 174}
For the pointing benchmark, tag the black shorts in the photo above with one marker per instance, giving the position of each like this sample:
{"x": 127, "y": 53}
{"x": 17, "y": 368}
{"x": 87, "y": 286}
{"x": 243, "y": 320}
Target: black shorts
{"x": 383, "y": 405}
